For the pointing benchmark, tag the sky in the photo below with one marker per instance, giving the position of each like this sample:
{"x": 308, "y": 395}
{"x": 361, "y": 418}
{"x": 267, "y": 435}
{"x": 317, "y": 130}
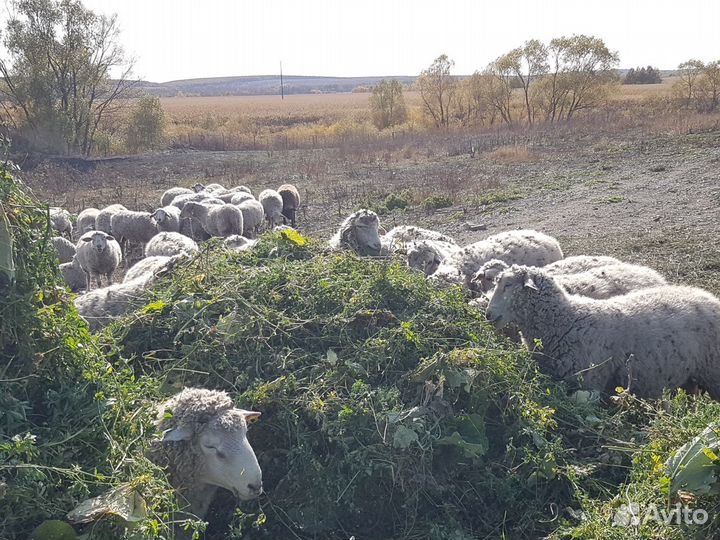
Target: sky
{"x": 180, "y": 39}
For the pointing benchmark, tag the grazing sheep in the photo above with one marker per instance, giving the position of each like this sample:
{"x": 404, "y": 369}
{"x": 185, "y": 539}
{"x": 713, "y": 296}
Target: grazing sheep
{"x": 102, "y": 306}
{"x": 513, "y": 247}
{"x": 217, "y": 219}
{"x": 600, "y": 282}
{"x": 360, "y": 232}
{"x": 273, "y": 204}
{"x": 291, "y": 202}
{"x": 99, "y": 255}
{"x": 64, "y": 247}
{"x": 645, "y": 341}
{"x": 239, "y": 243}
{"x": 204, "y": 446}
{"x": 169, "y": 244}
{"x": 73, "y": 275}
{"x": 428, "y": 255}
{"x": 86, "y": 221}
{"x": 253, "y": 214}
{"x": 579, "y": 263}
{"x": 167, "y": 218}
{"x": 241, "y": 197}
{"x": 171, "y": 193}
{"x": 131, "y": 227}
{"x": 60, "y": 221}
{"x": 103, "y": 221}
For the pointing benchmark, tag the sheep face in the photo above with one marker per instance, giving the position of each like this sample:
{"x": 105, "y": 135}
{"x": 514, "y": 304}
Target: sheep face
{"x": 484, "y": 279}
{"x": 364, "y": 233}
{"x": 99, "y": 240}
{"x": 197, "y": 188}
{"x": 510, "y": 291}
{"x": 226, "y": 458}
{"x": 159, "y": 215}
{"x": 424, "y": 258}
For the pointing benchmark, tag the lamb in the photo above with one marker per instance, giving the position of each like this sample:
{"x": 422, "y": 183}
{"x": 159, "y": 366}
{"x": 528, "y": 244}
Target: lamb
{"x": 204, "y": 446}
{"x": 253, "y": 214}
{"x": 131, "y": 227}
{"x": 599, "y": 282}
{"x": 73, "y": 275}
{"x": 513, "y": 247}
{"x": 427, "y": 255}
{"x": 99, "y": 255}
{"x": 240, "y": 197}
{"x": 645, "y": 341}
{"x": 291, "y": 202}
{"x": 360, "y": 232}
{"x": 171, "y": 193}
{"x": 579, "y": 263}
{"x": 60, "y": 221}
{"x": 64, "y": 247}
{"x": 167, "y": 218}
{"x": 86, "y": 221}
{"x": 239, "y": 243}
{"x": 103, "y": 221}
{"x": 169, "y": 244}
{"x": 217, "y": 220}
{"x": 273, "y": 204}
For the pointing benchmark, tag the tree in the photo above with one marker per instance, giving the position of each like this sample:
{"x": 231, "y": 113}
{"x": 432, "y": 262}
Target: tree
{"x": 688, "y": 73}
{"x": 146, "y": 125}
{"x": 57, "y": 80}
{"x": 387, "y": 104}
{"x": 643, "y": 75}
{"x": 437, "y": 90}
{"x": 528, "y": 63}
{"x": 708, "y": 87}
{"x": 476, "y": 100}
{"x": 500, "y": 86}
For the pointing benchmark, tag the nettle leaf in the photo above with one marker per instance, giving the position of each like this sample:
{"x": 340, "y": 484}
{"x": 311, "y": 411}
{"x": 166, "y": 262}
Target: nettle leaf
{"x": 693, "y": 467}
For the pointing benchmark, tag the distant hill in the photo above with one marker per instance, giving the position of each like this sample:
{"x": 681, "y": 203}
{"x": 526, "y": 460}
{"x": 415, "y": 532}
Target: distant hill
{"x": 262, "y": 85}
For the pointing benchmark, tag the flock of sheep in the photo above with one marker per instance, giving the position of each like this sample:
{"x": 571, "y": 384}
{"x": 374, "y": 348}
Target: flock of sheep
{"x": 599, "y": 320}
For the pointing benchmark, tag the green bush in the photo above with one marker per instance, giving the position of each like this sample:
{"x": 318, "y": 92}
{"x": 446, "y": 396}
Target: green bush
{"x": 401, "y": 200}
{"x": 437, "y": 201}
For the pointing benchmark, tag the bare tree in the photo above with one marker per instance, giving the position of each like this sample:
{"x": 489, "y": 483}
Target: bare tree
{"x": 437, "y": 90}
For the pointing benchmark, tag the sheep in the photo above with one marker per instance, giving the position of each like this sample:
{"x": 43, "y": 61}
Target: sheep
{"x": 579, "y": 263}
{"x": 253, "y": 214}
{"x": 103, "y": 221}
{"x": 204, "y": 447}
{"x": 291, "y": 202}
{"x": 131, "y": 227}
{"x": 207, "y": 198}
{"x": 167, "y": 218}
{"x": 427, "y": 255}
{"x": 171, "y": 193}
{"x": 241, "y": 197}
{"x": 86, "y": 221}
{"x": 217, "y": 220}
{"x": 64, "y": 247}
{"x": 645, "y": 341}
{"x": 360, "y": 232}
{"x": 210, "y": 188}
{"x": 170, "y": 243}
{"x": 154, "y": 265}
{"x": 73, "y": 275}
{"x": 273, "y": 204}
{"x": 99, "y": 254}
{"x": 60, "y": 221}
{"x": 513, "y": 247}
{"x": 239, "y": 243}
{"x": 228, "y": 194}
{"x": 600, "y": 282}
{"x": 403, "y": 234}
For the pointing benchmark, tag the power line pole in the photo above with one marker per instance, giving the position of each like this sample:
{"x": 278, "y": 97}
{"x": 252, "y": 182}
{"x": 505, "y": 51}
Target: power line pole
{"x": 282, "y": 90}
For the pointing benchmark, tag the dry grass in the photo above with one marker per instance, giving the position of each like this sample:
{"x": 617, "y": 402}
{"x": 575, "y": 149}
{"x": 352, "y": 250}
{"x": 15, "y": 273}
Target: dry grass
{"x": 512, "y": 154}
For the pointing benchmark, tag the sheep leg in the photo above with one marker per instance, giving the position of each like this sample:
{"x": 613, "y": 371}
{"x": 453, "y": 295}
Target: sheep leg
{"x": 87, "y": 281}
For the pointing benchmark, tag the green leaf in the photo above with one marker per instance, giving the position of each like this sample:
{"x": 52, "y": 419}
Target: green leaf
{"x": 693, "y": 467}
{"x": 469, "y": 435}
{"x": 294, "y": 237}
{"x": 404, "y": 437}
{"x": 155, "y": 307}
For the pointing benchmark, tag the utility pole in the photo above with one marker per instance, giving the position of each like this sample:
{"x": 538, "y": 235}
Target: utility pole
{"x": 282, "y": 90}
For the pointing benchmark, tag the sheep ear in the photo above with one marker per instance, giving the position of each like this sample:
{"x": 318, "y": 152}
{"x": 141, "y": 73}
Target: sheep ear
{"x": 529, "y": 283}
{"x": 109, "y": 237}
{"x": 177, "y": 434}
{"x": 250, "y": 416}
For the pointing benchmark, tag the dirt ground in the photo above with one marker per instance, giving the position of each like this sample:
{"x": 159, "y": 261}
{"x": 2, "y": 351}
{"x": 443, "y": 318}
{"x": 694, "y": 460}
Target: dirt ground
{"x": 648, "y": 199}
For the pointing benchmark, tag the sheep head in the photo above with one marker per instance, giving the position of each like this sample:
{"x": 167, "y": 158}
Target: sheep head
{"x": 423, "y": 256}
{"x": 484, "y": 279}
{"x": 511, "y": 293}
{"x": 361, "y": 232}
{"x": 99, "y": 240}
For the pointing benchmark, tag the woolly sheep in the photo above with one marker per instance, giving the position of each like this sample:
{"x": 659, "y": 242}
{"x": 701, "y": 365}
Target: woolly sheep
{"x": 403, "y": 234}
{"x": 360, "y": 232}
{"x": 599, "y": 282}
{"x": 180, "y": 200}
{"x": 171, "y": 193}
{"x": 73, "y": 275}
{"x": 428, "y": 255}
{"x": 169, "y": 244}
{"x": 101, "y": 306}
{"x": 273, "y": 204}
{"x": 167, "y": 218}
{"x": 579, "y": 263}
{"x": 645, "y": 341}
{"x": 291, "y": 202}
{"x": 210, "y": 188}
{"x": 156, "y": 264}
{"x": 239, "y": 243}
{"x": 86, "y": 221}
{"x": 228, "y": 194}
{"x": 103, "y": 221}
{"x": 204, "y": 447}
{"x": 64, "y": 247}
{"x": 513, "y": 247}
{"x": 131, "y": 227}
{"x": 241, "y": 197}
{"x": 217, "y": 220}
{"x": 253, "y": 214}
{"x": 60, "y": 221}
{"x": 99, "y": 255}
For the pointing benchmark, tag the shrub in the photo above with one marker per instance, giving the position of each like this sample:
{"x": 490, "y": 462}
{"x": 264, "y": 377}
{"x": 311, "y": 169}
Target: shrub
{"x": 437, "y": 201}
{"x": 401, "y": 200}
{"x": 146, "y": 125}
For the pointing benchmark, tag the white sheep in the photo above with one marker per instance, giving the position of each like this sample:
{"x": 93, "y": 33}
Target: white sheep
{"x": 273, "y": 204}
{"x": 156, "y": 264}
{"x": 130, "y": 227}
{"x": 402, "y": 234}
{"x": 102, "y": 306}
{"x": 202, "y": 196}
{"x": 513, "y": 247}
{"x": 359, "y": 232}
{"x": 645, "y": 341}
{"x": 169, "y": 244}
{"x": 103, "y": 221}
{"x": 204, "y": 446}
{"x": 428, "y": 255}
{"x": 167, "y": 218}
{"x": 210, "y": 188}
{"x": 99, "y": 255}
{"x": 228, "y": 194}
{"x": 579, "y": 263}
{"x": 239, "y": 243}
{"x": 291, "y": 202}
{"x": 73, "y": 275}
{"x": 60, "y": 221}
{"x": 240, "y": 197}
{"x": 171, "y": 193}
{"x": 86, "y": 221}
{"x": 253, "y": 214}
{"x": 217, "y": 219}
{"x": 64, "y": 247}
{"x": 598, "y": 282}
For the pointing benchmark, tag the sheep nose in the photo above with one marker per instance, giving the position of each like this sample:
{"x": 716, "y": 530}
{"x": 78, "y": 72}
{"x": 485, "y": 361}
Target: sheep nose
{"x": 255, "y": 489}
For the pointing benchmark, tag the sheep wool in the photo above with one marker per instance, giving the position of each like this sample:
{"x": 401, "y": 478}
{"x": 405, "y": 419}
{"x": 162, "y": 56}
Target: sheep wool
{"x": 167, "y": 218}
{"x": 167, "y": 197}
{"x": 60, "y": 221}
{"x": 291, "y": 202}
{"x": 104, "y": 217}
{"x": 169, "y": 244}
{"x": 99, "y": 254}
{"x": 64, "y": 247}
{"x": 360, "y": 231}
{"x": 86, "y": 221}
{"x": 130, "y": 227}
{"x": 272, "y": 204}
{"x": 253, "y": 214}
